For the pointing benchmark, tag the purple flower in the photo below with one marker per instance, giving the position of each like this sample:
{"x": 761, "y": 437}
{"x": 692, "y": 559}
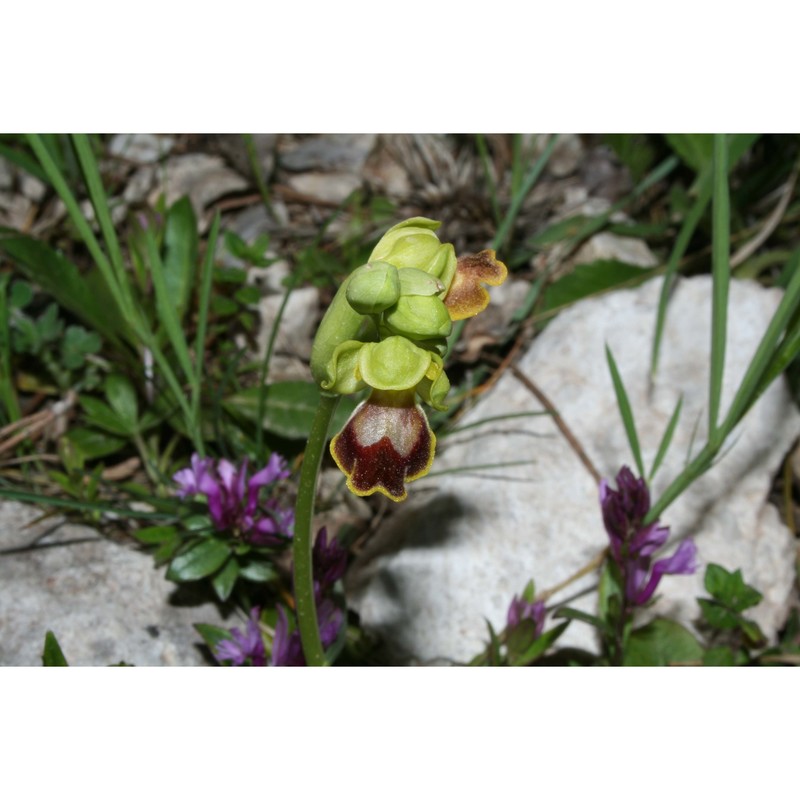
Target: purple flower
{"x": 329, "y": 560}
{"x": 633, "y": 544}
{"x": 287, "y": 649}
{"x": 247, "y": 646}
{"x": 233, "y": 500}
{"x": 520, "y": 609}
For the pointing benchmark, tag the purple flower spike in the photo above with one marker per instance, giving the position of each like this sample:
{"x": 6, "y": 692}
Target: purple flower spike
{"x": 247, "y": 646}
{"x": 233, "y": 500}
{"x": 287, "y": 651}
{"x": 520, "y": 609}
{"x": 633, "y": 544}
{"x": 330, "y": 561}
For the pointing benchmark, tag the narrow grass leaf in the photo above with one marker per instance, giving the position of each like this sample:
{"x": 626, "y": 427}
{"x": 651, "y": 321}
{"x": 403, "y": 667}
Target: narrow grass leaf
{"x": 53, "y": 655}
{"x": 690, "y": 223}
{"x": 625, "y": 411}
{"x": 79, "y": 505}
{"x": 180, "y": 254}
{"x": 483, "y": 152}
{"x": 516, "y": 201}
{"x": 166, "y": 309}
{"x": 720, "y": 251}
{"x": 97, "y": 194}
{"x": 666, "y": 439}
{"x": 8, "y": 395}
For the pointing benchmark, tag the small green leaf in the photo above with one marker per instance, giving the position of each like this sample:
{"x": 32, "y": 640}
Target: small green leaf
{"x": 52, "y": 655}
{"x": 93, "y": 443}
{"x": 581, "y": 616}
{"x": 155, "y": 534}
{"x": 122, "y": 398}
{"x": 199, "y": 561}
{"x": 660, "y": 643}
{"x": 730, "y": 589}
{"x": 102, "y": 416}
{"x": 538, "y": 647}
{"x": 212, "y": 635}
{"x": 718, "y": 615}
{"x": 257, "y": 571}
{"x": 718, "y": 657}
{"x": 77, "y": 344}
{"x": 224, "y": 581}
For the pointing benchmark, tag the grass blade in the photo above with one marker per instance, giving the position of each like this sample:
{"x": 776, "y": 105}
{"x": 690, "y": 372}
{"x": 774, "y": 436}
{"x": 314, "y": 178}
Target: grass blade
{"x": 625, "y": 411}
{"x": 166, "y": 309}
{"x": 667, "y": 438}
{"x": 483, "y": 152}
{"x": 720, "y": 251}
{"x": 8, "y": 397}
{"x": 688, "y": 227}
{"x": 202, "y": 319}
{"x": 516, "y": 202}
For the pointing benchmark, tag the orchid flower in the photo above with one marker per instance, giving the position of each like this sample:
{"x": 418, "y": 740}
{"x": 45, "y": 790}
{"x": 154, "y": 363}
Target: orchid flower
{"x": 387, "y": 330}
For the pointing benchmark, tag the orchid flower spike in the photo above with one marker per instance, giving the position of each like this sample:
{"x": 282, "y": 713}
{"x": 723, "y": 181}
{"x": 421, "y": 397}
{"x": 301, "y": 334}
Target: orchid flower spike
{"x": 387, "y": 330}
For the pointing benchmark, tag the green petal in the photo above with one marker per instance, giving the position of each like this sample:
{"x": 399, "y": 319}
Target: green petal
{"x": 418, "y": 282}
{"x": 394, "y": 364}
{"x": 433, "y": 388}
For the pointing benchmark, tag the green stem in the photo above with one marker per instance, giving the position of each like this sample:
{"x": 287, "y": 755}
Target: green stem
{"x": 304, "y": 513}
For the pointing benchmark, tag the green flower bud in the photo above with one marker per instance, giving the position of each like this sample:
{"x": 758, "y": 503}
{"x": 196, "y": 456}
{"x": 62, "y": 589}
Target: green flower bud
{"x": 416, "y": 282}
{"x": 418, "y": 318}
{"x": 395, "y": 363}
{"x": 373, "y": 288}
{"x": 413, "y": 243}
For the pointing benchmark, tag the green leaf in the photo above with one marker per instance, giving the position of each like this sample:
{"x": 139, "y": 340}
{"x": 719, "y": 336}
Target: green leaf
{"x": 52, "y": 655}
{"x": 199, "y": 561}
{"x": 718, "y": 657}
{"x": 257, "y": 571}
{"x": 224, "y": 581}
{"x": 660, "y": 643}
{"x": 102, "y": 416}
{"x": 212, "y": 635}
{"x": 609, "y": 586}
{"x": 77, "y": 344}
{"x": 289, "y": 408}
{"x": 180, "y": 256}
{"x": 590, "y": 279}
{"x": 122, "y": 398}
{"x": 694, "y": 149}
{"x": 626, "y": 412}
{"x": 83, "y": 293}
{"x": 522, "y": 656}
{"x": 155, "y": 534}
{"x": 718, "y": 615}
{"x": 93, "y": 443}
{"x": 730, "y": 588}
{"x": 581, "y": 616}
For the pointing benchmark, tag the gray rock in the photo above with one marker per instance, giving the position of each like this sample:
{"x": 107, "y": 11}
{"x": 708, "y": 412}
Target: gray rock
{"x": 345, "y": 152}
{"x": 298, "y": 323}
{"x": 610, "y": 246}
{"x": 144, "y": 148}
{"x": 105, "y": 602}
{"x": 468, "y": 541}
{"x": 204, "y": 178}
{"x": 332, "y": 187}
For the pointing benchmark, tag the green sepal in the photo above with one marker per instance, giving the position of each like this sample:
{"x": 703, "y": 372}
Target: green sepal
{"x": 394, "y": 364}
{"x": 373, "y": 288}
{"x": 433, "y": 388}
{"x": 419, "y": 317}
{"x": 344, "y": 375}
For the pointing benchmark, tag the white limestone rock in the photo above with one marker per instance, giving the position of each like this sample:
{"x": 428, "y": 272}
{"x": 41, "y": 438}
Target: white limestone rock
{"x": 467, "y": 542}
{"x": 105, "y": 602}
